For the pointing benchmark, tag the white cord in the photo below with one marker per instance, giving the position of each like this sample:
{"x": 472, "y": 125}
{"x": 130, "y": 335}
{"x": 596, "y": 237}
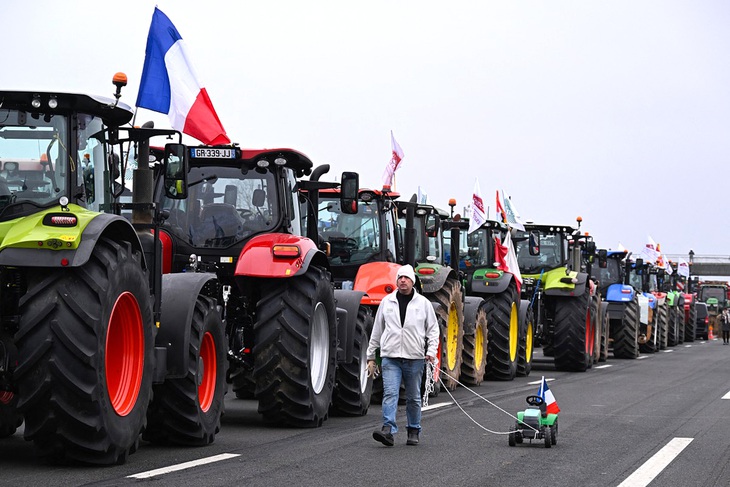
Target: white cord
{"x": 479, "y": 396}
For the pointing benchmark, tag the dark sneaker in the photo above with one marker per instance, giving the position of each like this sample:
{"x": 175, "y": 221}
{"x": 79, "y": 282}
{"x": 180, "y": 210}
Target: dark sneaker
{"x": 384, "y": 436}
{"x": 412, "y": 436}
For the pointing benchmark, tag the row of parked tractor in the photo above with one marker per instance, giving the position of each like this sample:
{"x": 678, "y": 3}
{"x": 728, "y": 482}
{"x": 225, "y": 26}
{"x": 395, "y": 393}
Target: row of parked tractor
{"x": 131, "y": 305}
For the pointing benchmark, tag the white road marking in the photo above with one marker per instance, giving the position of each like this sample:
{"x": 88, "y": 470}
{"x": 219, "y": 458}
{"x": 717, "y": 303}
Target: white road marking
{"x": 539, "y": 382}
{"x": 603, "y": 366}
{"x": 687, "y": 346}
{"x": 183, "y": 466}
{"x": 436, "y": 406}
{"x": 726, "y": 396}
{"x": 640, "y": 357}
{"x": 653, "y": 466}
{"x": 667, "y": 351}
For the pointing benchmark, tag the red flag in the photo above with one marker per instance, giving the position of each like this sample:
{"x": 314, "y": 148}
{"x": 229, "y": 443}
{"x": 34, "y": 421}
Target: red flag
{"x": 394, "y": 163}
{"x": 506, "y": 259}
{"x": 500, "y": 210}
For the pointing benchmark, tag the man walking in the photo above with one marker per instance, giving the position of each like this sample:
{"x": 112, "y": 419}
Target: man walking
{"x": 406, "y": 332}
{"x": 725, "y": 323}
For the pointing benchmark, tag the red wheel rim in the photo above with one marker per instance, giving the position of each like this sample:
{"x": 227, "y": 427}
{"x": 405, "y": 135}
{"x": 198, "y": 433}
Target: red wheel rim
{"x": 206, "y": 389}
{"x": 590, "y": 336}
{"x": 124, "y": 357}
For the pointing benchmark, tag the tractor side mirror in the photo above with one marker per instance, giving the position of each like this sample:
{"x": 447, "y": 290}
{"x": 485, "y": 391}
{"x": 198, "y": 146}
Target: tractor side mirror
{"x": 602, "y": 258}
{"x": 176, "y": 171}
{"x": 590, "y": 247}
{"x": 534, "y": 241}
{"x": 349, "y": 188}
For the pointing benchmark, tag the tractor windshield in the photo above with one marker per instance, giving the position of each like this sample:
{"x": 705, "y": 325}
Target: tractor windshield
{"x": 611, "y": 274}
{"x": 550, "y": 256}
{"x": 354, "y": 239}
{"x": 225, "y": 205}
{"x": 478, "y": 249}
{"x": 707, "y": 292}
{"x": 34, "y": 158}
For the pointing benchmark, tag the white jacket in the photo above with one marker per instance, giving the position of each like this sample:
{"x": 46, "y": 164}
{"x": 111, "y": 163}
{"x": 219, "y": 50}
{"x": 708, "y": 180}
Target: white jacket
{"x": 407, "y": 341}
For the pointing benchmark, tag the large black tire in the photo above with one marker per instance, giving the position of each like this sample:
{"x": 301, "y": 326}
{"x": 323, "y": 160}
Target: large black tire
{"x": 597, "y": 329}
{"x": 626, "y": 333}
{"x": 475, "y": 351}
{"x": 295, "y": 349}
{"x": 605, "y": 332}
{"x": 451, "y": 312}
{"x": 188, "y": 410}
{"x": 672, "y": 327}
{"x": 353, "y": 387}
{"x": 527, "y": 336}
{"x": 85, "y": 346}
{"x": 242, "y": 382}
{"x": 503, "y": 323}
{"x": 10, "y": 418}
{"x": 690, "y": 327}
{"x": 574, "y": 333}
{"x": 663, "y": 323}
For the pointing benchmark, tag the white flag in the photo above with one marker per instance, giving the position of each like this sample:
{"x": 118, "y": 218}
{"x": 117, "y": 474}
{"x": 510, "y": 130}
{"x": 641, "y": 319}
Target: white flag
{"x": 683, "y": 268}
{"x": 395, "y": 160}
{"x": 513, "y": 217}
{"x": 650, "y": 253}
{"x": 669, "y": 269}
{"x": 478, "y": 216}
{"x": 621, "y": 247}
{"x": 511, "y": 260}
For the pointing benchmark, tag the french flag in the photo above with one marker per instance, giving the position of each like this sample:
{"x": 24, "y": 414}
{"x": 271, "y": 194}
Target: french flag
{"x": 546, "y": 394}
{"x": 169, "y": 85}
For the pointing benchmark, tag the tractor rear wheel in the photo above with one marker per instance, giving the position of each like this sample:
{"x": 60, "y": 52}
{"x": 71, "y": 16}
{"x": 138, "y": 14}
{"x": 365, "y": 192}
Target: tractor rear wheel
{"x": 188, "y": 410}
{"x": 475, "y": 351}
{"x": 353, "y": 389}
{"x": 626, "y": 335}
{"x": 504, "y": 332}
{"x": 451, "y": 312}
{"x": 10, "y": 419}
{"x": 295, "y": 349}
{"x": 690, "y": 327}
{"x": 527, "y": 336}
{"x": 605, "y": 326}
{"x": 574, "y": 332}
{"x": 663, "y": 324}
{"x": 85, "y": 348}
{"x": 672, "y": 328}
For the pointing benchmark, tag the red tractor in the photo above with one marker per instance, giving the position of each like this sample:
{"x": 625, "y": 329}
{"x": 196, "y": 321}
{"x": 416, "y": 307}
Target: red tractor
{"x": 295, "y": 344}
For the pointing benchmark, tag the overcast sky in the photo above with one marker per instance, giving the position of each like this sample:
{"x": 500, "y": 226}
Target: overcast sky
{"x": 617, "y": 111}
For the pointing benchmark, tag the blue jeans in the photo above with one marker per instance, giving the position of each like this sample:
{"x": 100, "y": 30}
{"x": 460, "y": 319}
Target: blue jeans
{"x": 411, "y": 371}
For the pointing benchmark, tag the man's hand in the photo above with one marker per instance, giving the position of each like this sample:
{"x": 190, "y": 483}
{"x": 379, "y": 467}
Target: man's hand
{"x": 372, "y": 369}
{"x": 430, "y": 358}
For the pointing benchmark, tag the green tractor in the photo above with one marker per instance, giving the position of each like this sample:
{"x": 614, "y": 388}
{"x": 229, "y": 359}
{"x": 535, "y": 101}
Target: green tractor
{"x": 96, "y": 346}
{"x": 510, "y": 329}
{"x": 555, "y": 262}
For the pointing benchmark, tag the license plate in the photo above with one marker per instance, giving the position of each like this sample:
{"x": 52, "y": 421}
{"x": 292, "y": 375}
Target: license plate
{"x": 212, "y": 153}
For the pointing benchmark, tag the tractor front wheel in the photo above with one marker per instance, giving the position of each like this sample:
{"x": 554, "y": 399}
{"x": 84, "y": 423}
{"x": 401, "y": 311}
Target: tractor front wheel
{"x": 353, "y": 389}
{"x": 451, "y": 312}
{"x": 188, "y": 410}
{"x": 295, "y": 349}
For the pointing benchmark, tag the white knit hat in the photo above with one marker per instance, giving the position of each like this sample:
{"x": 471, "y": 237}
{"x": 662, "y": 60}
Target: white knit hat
{"x": 406, "y": 271}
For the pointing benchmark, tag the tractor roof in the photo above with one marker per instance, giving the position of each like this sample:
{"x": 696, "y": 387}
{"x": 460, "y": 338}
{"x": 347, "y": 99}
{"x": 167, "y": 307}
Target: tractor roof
{"x": 112, "y": 113}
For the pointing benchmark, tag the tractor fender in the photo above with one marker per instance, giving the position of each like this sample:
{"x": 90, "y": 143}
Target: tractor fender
{"x": 489, "y": 286}
{"x": 108, "y": 225}
{"x": 347, "y": 303}
{"x": 257, "y": 257}
{"x": 433, "y": 282}
{"x": 376, "y": 280}
{"x": 179, "y": 295}
{"x": 575, "y": 289}
{"x": 615, "y": 311}
{"x": 471, "y": 307}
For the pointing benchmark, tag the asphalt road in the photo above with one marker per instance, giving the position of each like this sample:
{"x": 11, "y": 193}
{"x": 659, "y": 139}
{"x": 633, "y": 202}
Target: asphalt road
{"x": 662, "y": 417}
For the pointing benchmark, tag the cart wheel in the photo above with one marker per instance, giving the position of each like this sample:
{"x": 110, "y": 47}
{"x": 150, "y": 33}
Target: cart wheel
{"x": 554, "y": 433}
{"x": 512, "y": 436}
{"x": 547, "y": 436}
